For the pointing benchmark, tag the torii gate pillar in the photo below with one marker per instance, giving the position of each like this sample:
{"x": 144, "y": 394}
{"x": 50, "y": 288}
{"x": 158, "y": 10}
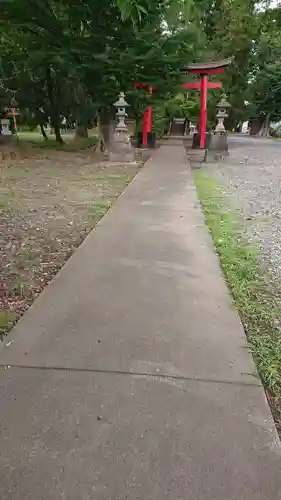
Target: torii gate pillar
{"x": 203, "y": 110}
{"x": 147, "y": 117}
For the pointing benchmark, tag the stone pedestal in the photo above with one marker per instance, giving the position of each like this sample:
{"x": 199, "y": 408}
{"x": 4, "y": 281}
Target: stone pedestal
{"x": 218, "y": 142}
{"x": 218, "y": 147}
{"x": 196, "y": 140}
{"x": 121, "y": 149}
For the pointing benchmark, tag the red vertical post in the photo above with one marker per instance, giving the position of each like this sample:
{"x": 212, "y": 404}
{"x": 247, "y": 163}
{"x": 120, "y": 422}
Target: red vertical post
{"x": 203, "y": 110}
{"x": 15, "y": 122}
{"x": 149, "y": 118}
{"x": 149, "y": 111}
{"x": 144, "y": 128}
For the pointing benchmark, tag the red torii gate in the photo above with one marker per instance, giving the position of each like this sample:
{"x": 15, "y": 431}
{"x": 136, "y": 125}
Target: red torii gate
{"x": 202, "y": 69}
{"x": 205, "y": 69}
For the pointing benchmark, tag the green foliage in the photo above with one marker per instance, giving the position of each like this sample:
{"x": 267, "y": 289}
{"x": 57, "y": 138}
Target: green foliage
{"x": 230, "y": 28}
{"x": 181, "y": 106}
{"x": 177, "y": 105}
{"x": 79, "y": 144}
{"x": 264, "y": 90}
{"x": 66, "y": 58}
{"x": 248, "y": 30}
{"x": 7, "y": 320}
{"x": 160, "y": 124}
{"x": 71, "y": 59}
{"x": 101, "y": 207}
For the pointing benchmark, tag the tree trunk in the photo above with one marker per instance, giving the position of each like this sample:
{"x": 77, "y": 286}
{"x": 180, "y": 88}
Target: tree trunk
{"x": 266, "y": 126}
{"x": 59, "y": 138}
{"x": 81, "y": 130}
{"x": 106, "y": 128}
{"x": 43, "y": 132}
{"x": 255, "y": 127}
{"x": 54, "y": 109}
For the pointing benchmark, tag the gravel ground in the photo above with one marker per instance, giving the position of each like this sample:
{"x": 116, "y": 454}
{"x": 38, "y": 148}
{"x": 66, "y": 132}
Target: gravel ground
{"x": 252, "y": 179}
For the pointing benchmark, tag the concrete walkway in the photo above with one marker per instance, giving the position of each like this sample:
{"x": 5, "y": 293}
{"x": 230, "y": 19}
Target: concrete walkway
{"x": 129, "y": 377}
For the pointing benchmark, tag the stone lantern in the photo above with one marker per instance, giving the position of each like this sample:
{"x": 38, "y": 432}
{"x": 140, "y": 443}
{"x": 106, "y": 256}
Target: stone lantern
{"x": 222, "y": 113}
{"x": 218, "y": 141}
{"x": 121, "y": 114}
{"x": 5, "y": 127}
{"x": 121, "y": 149}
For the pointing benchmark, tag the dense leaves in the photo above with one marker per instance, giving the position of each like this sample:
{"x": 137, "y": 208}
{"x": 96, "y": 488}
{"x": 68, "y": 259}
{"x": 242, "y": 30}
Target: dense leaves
{"x": 70, "y": 58}
{"x": 264, "y": 90}
{"x": 66, "y": 57}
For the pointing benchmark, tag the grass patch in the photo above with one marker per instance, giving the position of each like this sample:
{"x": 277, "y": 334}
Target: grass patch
{"x": 7, "y": 320}
{"x": 115, "y": 180}
{"x": 252, "y": 288}
{"x": 71, "y": 143}
{"x": 101, "y": 207}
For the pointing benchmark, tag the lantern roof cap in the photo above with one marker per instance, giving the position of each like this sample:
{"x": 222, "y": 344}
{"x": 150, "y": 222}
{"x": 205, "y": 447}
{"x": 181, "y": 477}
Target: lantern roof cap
{"x": 121, "y": 103}
{"x": 222, "y": 63}
{"x": 223, "y": 103}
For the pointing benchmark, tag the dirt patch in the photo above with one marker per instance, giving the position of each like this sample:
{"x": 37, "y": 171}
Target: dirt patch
{"x": 48, "y": 204}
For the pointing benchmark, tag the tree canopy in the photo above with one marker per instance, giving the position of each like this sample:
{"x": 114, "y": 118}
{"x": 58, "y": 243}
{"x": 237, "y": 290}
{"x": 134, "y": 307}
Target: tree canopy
{"x": 71, "y": 58}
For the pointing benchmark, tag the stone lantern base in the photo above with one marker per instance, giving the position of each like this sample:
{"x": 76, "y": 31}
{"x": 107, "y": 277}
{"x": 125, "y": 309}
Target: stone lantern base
{"x": 219, "y": 143}
{"x": 121, "y": 149}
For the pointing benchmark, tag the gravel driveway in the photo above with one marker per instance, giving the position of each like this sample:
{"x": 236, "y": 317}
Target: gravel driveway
{"x": 252, "y": 180}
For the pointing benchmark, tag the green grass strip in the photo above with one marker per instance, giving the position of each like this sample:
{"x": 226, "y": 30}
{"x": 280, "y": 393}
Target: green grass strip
{"x": 255, "y": 297}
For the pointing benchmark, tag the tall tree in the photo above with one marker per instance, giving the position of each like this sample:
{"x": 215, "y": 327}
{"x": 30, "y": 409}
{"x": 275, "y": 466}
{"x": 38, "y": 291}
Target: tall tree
{"x": 264, "y": 86}
{"x": 99, "y": 48}
{"x": 230, "y": 27}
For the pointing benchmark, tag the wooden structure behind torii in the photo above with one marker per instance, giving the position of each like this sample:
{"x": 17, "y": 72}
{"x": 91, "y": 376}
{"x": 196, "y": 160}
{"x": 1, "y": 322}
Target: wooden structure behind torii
{"x": 201, "y": 69}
